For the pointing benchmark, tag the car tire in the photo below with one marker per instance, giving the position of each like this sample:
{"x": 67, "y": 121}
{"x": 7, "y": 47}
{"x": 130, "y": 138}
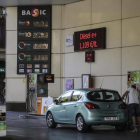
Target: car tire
{"x": 120, "y": 128}
{"x": 80, "y": 124}
{"x": 50, "y": 120}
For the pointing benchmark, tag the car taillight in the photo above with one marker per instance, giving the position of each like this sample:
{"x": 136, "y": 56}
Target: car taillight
{"x": 122, "y": 106}
{"x": 92, "y": 106}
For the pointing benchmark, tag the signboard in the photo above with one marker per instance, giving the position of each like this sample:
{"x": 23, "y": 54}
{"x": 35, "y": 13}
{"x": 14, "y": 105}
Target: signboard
{"x": 69, "y": 40}
{"x": 33, "y": 35}
{"x": 34, "y": 12}
{"x": 33, "y": 62}
{"x": 34, "y": 46}
{"x": 48, "y": 78}
{"x": 86, "y": 80}
{"x": 32, "y": 80}
{"x": 69, "y": 84}
{"x": 34, "y": 24}
{"x": 39, "y": 104}
{"x": 34, "y": 39}
{"x": 133, "y": 77}
{"x": 2, "y": 121}
{"x": 43, "y": 104}
{"x": 90, "y": 56}
{"x": 138, "y": 76}
{"x": 90, "y": 39}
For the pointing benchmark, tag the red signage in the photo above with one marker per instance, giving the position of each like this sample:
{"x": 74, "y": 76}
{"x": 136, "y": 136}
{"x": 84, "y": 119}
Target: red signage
{"x": 90, "y": 56}
{"x": 90, "y": 39}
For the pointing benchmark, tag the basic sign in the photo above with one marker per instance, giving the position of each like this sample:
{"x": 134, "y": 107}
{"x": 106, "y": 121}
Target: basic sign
{"x": 90, "y": 39}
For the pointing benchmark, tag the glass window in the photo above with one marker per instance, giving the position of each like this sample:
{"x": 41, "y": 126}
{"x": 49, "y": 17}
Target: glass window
{"x": 76, "y": 96}
{"x": 65, "y": 97}
{"x": 104, "y": 96}
{"x": 95, "y": 96}
{"x": 111, "y": 96}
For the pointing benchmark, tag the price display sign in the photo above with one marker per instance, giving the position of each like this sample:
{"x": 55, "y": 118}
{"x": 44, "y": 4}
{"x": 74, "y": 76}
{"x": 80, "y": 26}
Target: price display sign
{"x": 90, "y": 56}
{"x": 90, "y": 39}
{"x": 34, "y": 39}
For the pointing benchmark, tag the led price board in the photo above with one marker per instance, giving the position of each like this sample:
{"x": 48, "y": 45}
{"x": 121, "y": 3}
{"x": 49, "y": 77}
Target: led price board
{"x": 33, "y": 57}
{"x": 34, "y": 23}
{"x": 34, "y": 39}
{"x": 90, "y": 56}
{"x": 90, "y": 39}
{"x": 35, "y": 46}
{"x": 33, "y": 34}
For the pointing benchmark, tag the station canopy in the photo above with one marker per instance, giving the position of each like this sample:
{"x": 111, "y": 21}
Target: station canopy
{"x": 6, "y": 3}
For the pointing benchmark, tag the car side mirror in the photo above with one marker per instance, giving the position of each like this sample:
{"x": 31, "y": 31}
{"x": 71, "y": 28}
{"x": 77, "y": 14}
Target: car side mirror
{"x": 55, "y": 101}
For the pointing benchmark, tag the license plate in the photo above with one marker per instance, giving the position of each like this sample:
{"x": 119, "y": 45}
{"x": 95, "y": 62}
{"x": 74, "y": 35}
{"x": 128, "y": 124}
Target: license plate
{"x": 110, "y": 118}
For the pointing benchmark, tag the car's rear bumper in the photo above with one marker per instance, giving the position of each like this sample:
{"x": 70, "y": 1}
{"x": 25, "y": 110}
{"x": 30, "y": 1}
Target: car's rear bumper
{"x": 98, "y": 118}
{"x": 113, "y": 123}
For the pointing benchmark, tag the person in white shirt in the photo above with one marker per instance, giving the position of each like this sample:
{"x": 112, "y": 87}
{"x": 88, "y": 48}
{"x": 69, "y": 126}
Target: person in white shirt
{"x": 134, "y": 107}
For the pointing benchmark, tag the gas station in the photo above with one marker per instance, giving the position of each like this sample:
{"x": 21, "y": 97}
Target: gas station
{"x": 48, "y": 47}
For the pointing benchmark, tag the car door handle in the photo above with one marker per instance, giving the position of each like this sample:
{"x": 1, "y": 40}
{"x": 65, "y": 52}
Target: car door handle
{"x": 75, "y": 105}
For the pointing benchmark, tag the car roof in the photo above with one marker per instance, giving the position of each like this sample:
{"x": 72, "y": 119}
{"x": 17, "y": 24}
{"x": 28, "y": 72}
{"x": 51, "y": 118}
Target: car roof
{"x": 94, "y": 89}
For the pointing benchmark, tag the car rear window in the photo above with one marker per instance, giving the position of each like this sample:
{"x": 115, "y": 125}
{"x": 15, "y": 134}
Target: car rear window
{"x": 104, "y": 96}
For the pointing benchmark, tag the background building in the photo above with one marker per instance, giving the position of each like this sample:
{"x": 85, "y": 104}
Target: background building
{"x": 121, "y": 19}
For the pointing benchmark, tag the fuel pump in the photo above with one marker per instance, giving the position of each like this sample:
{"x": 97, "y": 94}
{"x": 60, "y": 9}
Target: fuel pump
{"x": 32, "y": 93}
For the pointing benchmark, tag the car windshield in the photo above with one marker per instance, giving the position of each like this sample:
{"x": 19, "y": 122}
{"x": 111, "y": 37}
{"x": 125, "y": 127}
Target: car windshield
{"x": 104, "y": 96}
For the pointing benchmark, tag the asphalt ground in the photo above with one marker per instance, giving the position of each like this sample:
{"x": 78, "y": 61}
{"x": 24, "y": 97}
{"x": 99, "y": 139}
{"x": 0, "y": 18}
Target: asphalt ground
{"x": 34, "y": 128}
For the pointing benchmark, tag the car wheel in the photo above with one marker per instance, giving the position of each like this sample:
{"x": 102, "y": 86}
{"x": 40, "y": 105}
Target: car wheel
{"x": 50, "y": 121}
{"x": 120, "y": 127}
{"x": 81, "y": 125}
